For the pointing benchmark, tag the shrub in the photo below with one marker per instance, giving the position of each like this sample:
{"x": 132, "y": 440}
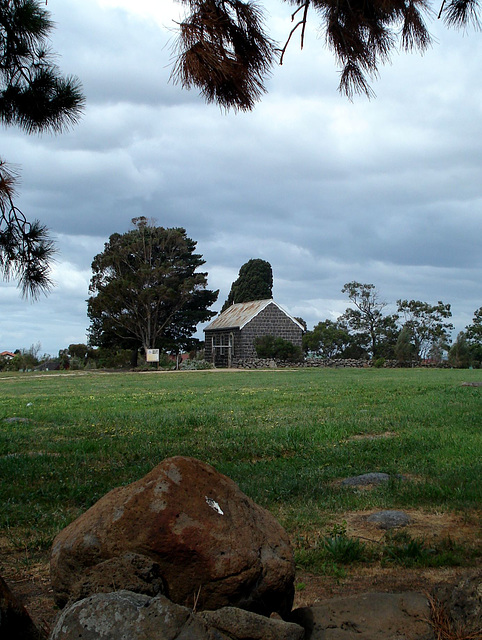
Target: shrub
{"x": 195, "y": 365}
{"x": 111, "y": 358}
{"x": 345, "y": 550}
{"x": 400, "y": 548}
{"x": 271, "y": 347}
{"x": 165, "y": 362}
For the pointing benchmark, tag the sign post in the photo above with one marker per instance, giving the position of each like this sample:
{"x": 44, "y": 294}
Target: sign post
{"x": 152, "y": 355}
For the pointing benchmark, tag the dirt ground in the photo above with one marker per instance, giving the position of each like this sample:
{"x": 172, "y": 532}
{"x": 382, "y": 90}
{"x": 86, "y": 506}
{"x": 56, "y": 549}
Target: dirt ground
{"x": 466, "y": 531}
{"x": 29, "y": 578}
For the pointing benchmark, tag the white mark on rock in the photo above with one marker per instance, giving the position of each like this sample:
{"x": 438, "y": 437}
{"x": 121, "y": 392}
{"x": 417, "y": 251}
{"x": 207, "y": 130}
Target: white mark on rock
{"x": 214, "y": 505}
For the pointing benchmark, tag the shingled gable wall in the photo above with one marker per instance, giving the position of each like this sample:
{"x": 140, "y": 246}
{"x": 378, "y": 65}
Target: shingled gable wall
{"x": 271, "y": 321}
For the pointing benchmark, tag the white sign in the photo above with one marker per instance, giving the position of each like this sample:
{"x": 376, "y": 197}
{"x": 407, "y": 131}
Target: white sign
{"x": 152, "y": 355}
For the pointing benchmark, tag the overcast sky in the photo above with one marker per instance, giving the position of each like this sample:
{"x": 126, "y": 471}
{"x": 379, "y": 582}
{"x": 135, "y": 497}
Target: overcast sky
{"x": 387, "y": 191}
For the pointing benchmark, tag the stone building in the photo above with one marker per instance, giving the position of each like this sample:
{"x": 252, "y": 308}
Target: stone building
{"x": 229, "y": 338}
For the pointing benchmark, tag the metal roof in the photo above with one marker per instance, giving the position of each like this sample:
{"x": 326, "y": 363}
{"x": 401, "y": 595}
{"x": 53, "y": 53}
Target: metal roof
{"x": 238, "y": 315}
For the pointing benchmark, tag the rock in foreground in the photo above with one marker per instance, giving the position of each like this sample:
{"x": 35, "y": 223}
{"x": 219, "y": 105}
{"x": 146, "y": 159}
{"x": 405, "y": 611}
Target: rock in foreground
{"x": 124, "y": 614}
{"x": 373, "y": 616}
{"x": 15, "y": 622}
{"x": 215, "y": 547}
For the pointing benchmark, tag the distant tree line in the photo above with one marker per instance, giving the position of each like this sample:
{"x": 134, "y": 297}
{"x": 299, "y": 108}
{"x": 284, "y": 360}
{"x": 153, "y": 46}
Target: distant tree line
{"x": 23, "y": 359}
{"x": 147, "y": 293}
{"x": 417, "y": 332}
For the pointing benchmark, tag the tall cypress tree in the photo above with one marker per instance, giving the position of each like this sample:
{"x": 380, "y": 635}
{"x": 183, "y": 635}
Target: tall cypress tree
{"x": 254, "y": 282}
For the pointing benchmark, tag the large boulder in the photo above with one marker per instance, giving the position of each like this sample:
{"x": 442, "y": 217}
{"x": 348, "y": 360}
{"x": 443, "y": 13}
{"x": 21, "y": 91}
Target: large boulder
{"x": 215, "y": 547}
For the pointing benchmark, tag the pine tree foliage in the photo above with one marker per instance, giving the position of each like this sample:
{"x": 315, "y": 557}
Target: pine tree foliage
{"x": 26, "y": 251}
{"x": 36, "y": 97}
{"x": 224, "y": 50}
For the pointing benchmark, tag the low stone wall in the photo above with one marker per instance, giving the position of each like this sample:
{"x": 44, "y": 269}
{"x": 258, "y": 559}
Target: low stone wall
{"x": 270, "y": 363}
{"x": 336, "y": 363}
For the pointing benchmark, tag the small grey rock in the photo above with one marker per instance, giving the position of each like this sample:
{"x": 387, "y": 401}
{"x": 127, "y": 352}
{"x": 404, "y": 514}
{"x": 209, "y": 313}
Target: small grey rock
{"x": 389, "y": 519}
{"x": 365, "y": 479}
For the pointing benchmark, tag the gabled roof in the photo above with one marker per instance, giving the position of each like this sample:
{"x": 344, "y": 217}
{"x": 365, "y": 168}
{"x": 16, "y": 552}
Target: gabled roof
{"x": 238, "y": 315}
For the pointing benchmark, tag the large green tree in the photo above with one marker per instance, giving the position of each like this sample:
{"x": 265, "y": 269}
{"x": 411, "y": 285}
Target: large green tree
{"x": 427, "y": 324}
{"x": 35, "y": 97}
{"x": 329, "y": 339}
{"x": 146, "y": 290}
{"x": 367, "y": 319}
{"x": 224, "y": 50}
{"x": 254, "y": 282}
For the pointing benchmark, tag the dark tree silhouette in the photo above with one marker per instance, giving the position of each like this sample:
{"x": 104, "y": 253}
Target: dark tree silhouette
{"x": 254, "y": 282}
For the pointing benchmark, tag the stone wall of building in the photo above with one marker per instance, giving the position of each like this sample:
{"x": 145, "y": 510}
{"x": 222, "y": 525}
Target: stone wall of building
{"x": 270, "y": 322}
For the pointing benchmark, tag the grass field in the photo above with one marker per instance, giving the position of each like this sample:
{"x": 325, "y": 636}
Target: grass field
{"x": 286, "y": 437}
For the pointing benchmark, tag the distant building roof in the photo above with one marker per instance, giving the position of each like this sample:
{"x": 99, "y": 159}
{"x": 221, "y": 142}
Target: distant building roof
{"x": 7, "y": 354}
{"x": 238, "y": 315}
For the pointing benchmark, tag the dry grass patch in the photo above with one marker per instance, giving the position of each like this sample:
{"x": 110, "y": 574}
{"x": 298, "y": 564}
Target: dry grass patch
{"x": 462, "y": 529}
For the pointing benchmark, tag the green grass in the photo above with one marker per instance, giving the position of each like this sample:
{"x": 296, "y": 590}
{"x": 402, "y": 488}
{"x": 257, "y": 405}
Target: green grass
{"x": 285, "y": 437}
